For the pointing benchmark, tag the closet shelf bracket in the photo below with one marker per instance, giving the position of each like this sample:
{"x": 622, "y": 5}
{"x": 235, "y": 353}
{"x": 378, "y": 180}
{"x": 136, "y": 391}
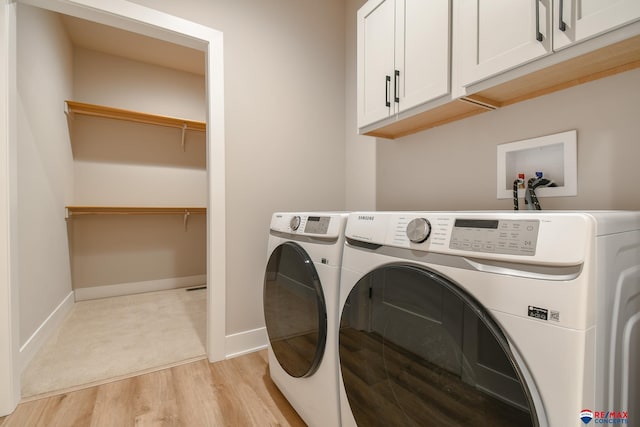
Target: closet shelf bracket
{"x": 67, "y": 111}
{"x": 186, "y": 219}
{"x": 184, "y": 130}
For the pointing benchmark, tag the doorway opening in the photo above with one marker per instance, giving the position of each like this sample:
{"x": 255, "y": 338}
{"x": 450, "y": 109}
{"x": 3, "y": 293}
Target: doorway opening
{"x": 149, "y": 23}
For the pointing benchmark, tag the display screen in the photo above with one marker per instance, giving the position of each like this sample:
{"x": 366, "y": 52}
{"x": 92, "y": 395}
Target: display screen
{"x": 317, "y": 224}
{"x": 477, "y": 223}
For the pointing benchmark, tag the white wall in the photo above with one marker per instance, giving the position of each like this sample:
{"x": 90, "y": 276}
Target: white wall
{"x": 45, "y": 165}
{"x": 284, "y": 96}
{"x": 453, "y": 167}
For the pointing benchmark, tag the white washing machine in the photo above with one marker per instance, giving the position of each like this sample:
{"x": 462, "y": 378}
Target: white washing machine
{"x": 490, "y": 318}
{"x": 301, "y": 311}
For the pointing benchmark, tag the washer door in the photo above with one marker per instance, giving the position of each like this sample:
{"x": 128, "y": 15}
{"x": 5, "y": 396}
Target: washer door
{"x": 415, "y": 349}
{"x": 294, "y": 310}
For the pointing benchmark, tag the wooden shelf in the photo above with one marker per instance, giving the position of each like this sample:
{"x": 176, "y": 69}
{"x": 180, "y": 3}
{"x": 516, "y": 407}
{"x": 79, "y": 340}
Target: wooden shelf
{"x": 133, "y": 210}
{"x": 74, "y": 107}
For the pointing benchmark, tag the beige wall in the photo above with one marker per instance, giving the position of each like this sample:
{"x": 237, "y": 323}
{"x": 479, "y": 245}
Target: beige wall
{"x": 45, "y": 166}
{"x": 119, "y": 249}
{"x": 119, "y": 163}
{"x": 453, "y": 167}
{"x": 284, "y": 113}
{"x": 105, "y": 79}
{"x": 360, "y": 152}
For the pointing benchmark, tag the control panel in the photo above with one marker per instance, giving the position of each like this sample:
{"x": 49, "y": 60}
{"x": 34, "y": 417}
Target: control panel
{"x": 317, "y": 224}
{"x": 545, "y": 238}
{"x": 504, "y": 236}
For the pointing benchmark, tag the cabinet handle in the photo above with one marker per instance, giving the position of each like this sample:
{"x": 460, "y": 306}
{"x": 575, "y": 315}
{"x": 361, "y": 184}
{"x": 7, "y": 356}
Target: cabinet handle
{"x": 538, "y": 33}
{"x": 562, "y": 26}
{"x": 396, "y": 86}
{"x": 387, "y": 88}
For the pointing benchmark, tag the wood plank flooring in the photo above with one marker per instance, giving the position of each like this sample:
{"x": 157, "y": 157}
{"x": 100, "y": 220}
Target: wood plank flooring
{"x": 235, "y": 392}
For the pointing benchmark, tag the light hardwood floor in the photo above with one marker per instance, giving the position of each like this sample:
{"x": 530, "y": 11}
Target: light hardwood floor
{"x": 235, "y": 392}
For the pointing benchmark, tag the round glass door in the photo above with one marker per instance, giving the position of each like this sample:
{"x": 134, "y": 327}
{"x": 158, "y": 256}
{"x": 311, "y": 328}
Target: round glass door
{"x": 416, "y": 350}
{"x": 295, "y": 311}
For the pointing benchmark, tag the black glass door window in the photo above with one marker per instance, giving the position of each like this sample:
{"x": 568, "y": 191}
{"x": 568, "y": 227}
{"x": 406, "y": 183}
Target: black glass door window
{"x": 415, "y": 350}
{"x": 294, "y": 310}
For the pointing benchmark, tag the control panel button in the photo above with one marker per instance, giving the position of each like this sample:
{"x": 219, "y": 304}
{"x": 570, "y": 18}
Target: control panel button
{"x": 418, "y": 230}
{"x": 294, "y": 223}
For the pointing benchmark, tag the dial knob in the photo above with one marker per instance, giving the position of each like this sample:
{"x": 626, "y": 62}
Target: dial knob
{"x": 294, "y": 223}
{"x": 418, "y": 230}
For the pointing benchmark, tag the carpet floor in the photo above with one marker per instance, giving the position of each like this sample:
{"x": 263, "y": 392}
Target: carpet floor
{"x": 112, "y": 338}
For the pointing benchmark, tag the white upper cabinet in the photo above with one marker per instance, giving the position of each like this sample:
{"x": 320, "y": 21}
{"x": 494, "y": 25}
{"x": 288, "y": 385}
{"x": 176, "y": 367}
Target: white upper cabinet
{"x": 376, "y": 38}
{"x": 403, "y": 56}
{"x": 422, "y": 50}
{"x": 578, "y": 20}
{"x": 497, "y": 35}
{"x": 424, "y": 63}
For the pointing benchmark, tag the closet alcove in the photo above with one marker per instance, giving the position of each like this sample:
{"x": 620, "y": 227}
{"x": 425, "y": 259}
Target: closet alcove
{"x": 139, "y": 219}
{"x": 134, "y": 195}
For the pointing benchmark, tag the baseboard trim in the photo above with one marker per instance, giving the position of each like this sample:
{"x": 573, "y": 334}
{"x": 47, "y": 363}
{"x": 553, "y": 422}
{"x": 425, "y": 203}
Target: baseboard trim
{"x": 120, "y": 289}
{"x": 246, "y": 342}
{"x": 45, "y": 331}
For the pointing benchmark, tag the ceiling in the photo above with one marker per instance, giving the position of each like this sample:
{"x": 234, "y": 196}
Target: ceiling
{"x": 113, "y": 41}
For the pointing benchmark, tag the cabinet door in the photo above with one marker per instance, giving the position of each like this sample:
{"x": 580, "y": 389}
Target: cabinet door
{"x": 498, "y": 35}
{"x": 583, "y": 19}
{"x": 375, "y": 61}
{"x": 422, "y": 51}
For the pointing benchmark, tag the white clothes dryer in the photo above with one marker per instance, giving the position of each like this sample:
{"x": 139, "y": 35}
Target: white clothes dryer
{"x": 301, "y": 311}
{"x": 490, "y": 318}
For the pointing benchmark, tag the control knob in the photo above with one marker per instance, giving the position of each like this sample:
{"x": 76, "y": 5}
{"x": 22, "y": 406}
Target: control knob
{"x": 294, "y": 223}
{"x": 418, "y": 230}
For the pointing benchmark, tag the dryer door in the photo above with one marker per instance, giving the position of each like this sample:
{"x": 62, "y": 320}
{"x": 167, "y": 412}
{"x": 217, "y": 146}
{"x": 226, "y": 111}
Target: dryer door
{"x": 415, "y": 349}
{"x": 294, "y": 310}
